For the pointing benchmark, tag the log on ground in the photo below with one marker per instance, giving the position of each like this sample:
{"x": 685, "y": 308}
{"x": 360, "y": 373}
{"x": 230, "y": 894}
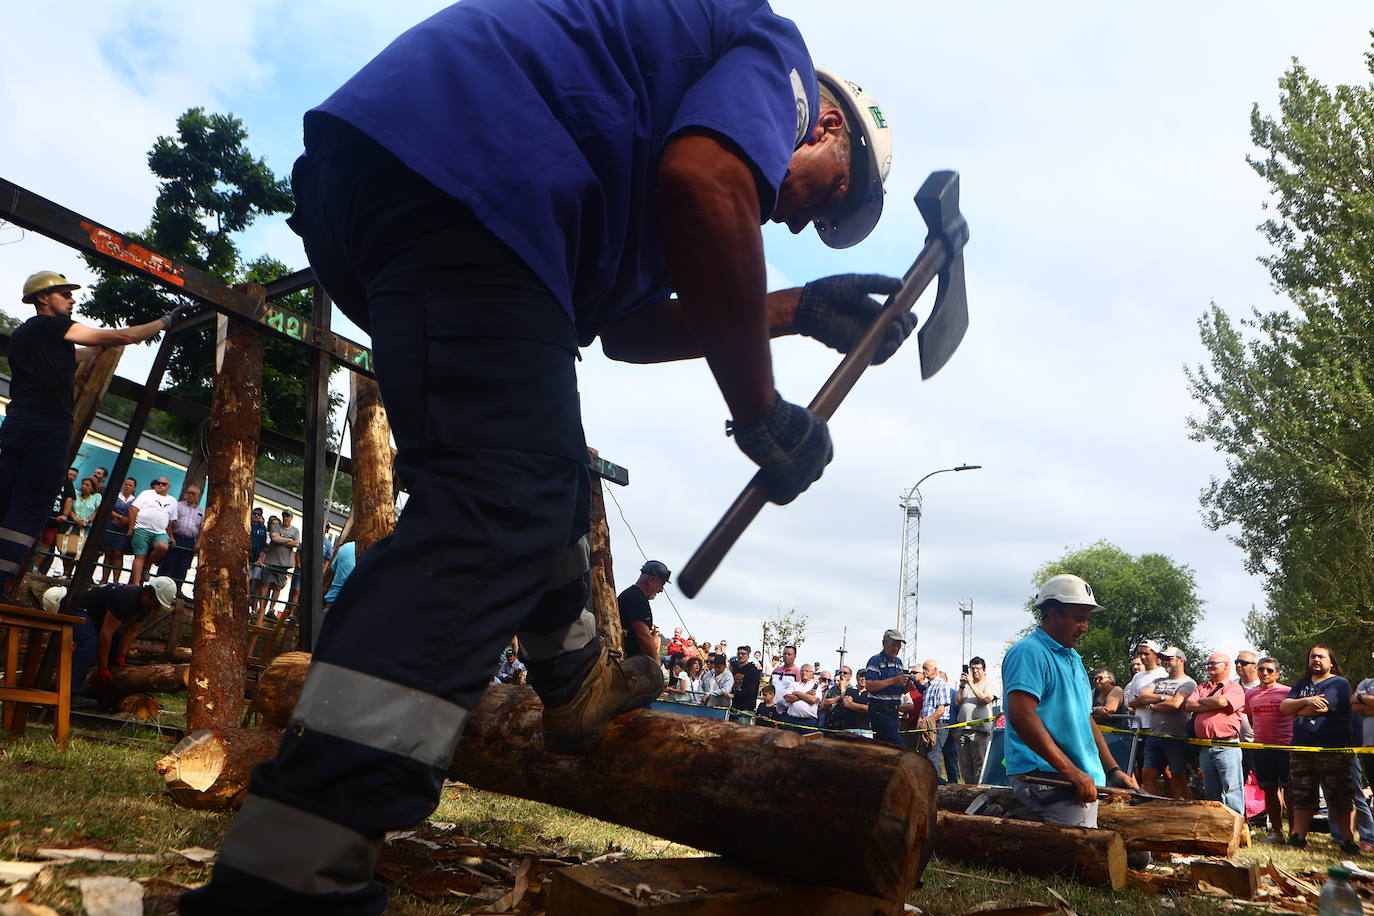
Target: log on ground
{"x": 1094, "y": 856}
{"x": 209, "y": 769}
{"x": 279, "y": 685}
{"x": 1205, "y": 828}
{"x": 146, "y": 651}
{"x": 685, "y": 778}
{"x": 139, "y": 706}
{"x": 147, "y": 679}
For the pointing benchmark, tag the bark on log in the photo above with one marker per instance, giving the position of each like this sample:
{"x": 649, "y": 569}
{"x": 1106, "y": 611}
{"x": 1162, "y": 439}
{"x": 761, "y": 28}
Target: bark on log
{"x": 148, "y": 679}
{"x": 219, "y": 630}
{"x": 1205, "y": 828}
{"x": 209, "y": 769}
{"x": 92, "y": 381}
{"x": 374, "y": 495}
{"x": 140, "y": 706}
{"x": 684, "y": 778}
{"x": 687, "y": 779}
{"x": 604, "y": 603}
{"x": 145, "y": 651}
{"x": 279, "y": 685}
{"x": 1095, "y": 856}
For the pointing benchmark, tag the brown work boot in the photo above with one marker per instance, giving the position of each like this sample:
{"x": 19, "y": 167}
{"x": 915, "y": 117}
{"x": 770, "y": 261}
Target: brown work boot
{"x": 614, "y": 685}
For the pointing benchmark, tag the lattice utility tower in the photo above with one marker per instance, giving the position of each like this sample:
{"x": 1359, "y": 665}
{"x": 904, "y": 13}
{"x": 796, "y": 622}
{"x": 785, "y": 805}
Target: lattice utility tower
{"x": 908, "y": 595}
{"x": 966, "y": 614}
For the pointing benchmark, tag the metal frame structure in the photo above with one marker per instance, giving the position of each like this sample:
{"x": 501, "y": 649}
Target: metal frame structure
{"x": 966, "y": 615}
{"x": 30, "y": 211}
{"x": 909, "y": 573}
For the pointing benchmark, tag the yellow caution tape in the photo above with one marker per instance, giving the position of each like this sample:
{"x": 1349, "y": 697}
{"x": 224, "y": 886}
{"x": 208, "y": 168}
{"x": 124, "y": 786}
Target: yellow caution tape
{"x": 1247, "y": 745}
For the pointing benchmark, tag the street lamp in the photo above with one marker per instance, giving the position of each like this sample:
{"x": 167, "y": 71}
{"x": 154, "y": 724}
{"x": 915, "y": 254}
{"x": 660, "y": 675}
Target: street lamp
{"x": 908, "y": 595}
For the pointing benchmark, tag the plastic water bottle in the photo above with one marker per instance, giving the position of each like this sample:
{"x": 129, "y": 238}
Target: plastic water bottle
{"x": 1338, "y": 897}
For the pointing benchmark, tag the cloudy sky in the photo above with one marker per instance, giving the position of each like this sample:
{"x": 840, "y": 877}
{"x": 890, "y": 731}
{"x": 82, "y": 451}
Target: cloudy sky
{"x": 1102, "y": 151}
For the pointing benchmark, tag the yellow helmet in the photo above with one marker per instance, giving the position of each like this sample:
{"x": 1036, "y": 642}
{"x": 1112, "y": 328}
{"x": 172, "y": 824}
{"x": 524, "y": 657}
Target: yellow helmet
{"x": 45, "y": 281}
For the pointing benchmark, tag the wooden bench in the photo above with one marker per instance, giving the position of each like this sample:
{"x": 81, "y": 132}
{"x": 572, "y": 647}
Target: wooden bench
{"x": 21, "y": 683}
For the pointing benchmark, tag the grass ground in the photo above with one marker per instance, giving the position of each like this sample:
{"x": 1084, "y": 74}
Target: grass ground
{"x": 102, "y": 792}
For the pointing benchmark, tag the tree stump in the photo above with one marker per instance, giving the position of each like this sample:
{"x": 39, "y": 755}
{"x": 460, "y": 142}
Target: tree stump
{"x": 279, "y": 685}
{"x": 209, "y": 769}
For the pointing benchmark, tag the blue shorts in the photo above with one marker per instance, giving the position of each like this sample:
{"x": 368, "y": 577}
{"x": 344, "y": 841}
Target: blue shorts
{"x": 145, "y": 538}
{"x": 1161, "y": 751}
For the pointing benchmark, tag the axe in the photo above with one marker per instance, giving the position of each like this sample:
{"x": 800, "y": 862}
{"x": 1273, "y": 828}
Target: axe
{"x": 942, "y": 256}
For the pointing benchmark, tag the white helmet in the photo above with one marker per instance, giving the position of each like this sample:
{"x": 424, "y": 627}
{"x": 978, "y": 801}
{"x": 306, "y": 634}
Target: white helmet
{"x": 1067, "y": 589}
{"x": 870, "y": 160}
{"x": 53, "y": 598}
{"x": 165, "y": 588}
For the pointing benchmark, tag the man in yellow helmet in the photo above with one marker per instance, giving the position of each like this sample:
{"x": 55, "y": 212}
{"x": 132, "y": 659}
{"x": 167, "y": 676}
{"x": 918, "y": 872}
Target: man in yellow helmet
{"x": 37, "y": 430}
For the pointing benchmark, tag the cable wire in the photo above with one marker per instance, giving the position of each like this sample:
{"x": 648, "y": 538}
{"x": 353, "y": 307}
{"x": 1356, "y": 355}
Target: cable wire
{"x": 644, "y": 555}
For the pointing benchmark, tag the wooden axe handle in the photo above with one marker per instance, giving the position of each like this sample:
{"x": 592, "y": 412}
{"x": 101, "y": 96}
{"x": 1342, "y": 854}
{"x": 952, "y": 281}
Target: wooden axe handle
{"x": 751, "y": 499}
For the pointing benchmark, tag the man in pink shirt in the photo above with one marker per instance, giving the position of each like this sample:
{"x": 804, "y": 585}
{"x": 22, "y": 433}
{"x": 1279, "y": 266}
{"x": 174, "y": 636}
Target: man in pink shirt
{"x": 1271, "y": 727}
{"x": 1216, "y": 707}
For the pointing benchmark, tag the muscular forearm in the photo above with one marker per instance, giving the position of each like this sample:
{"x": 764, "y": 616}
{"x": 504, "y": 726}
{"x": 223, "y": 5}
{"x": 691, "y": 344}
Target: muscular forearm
{"x": 710, "y": 222}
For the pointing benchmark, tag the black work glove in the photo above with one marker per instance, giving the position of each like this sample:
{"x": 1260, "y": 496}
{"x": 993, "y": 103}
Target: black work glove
{"x": 837, "y": 310}
{"x": 790, "y": 444}
{"x": 173, "y": 314}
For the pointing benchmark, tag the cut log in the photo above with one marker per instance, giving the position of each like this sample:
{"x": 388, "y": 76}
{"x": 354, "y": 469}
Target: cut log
{"x": 140, "y": 706}
{"x": 685, "y": 779}
{"x": 209, "y": 769}
{"x": 144, "y": 651}
{"x": 279, "y": 684}
{"x": 147, "y": 679}
{"x": 604, "y": 602}
{"x": 1237, "y": 879}
{"x": 1193, "y": 827}
{"x": 219, "y": 627}
{"x": 1094, "y": 856}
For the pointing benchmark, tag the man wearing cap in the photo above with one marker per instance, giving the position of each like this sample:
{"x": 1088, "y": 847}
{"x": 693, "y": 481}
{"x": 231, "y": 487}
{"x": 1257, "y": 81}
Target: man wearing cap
{"x": 888, "y": 678}
{"x": 109, "y": 610}
{"x": 636, "y": 619}
{"x": 1166, "y": 746}
{"x": 508, "y": 181}
{"x": 37, "y": 431}
{"x": 1050, "y": 729}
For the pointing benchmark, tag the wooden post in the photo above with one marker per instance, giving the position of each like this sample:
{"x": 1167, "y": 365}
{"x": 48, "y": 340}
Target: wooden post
{"x": 92, "y": 380}
{"x": 220, "y": 625}
{"x": 374, "y": 499}
{"x": 604, "y": 603}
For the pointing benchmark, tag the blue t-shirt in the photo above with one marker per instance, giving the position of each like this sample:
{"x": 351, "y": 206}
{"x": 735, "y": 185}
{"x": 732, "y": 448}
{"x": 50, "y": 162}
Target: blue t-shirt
{"x": 1333, "y": 729}
{"x": 547, "y": 119}
{"x": 879, "y": 668}
{"x": 343, "y": 567}
{"x": 1054, "y": 675}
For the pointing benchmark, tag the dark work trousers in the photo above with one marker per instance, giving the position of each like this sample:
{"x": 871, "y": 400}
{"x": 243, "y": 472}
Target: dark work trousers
{"x": 475, "y": 361}
{"x": 33, "y": 458}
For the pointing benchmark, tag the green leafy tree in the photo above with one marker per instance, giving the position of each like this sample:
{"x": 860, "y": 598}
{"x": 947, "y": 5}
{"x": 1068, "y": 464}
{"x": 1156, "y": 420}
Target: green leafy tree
{"x": 1288, "y": 396}
{"x": 786, "y": 628}
{"x": 1142, "y": 597}
{"x": 211, "y": 189}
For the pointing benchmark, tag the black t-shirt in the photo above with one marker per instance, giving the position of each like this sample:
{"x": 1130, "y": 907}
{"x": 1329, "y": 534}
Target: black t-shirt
{"x": 839, "y": 717}
{"x": 43, "y": 367}
{"x": 66, "y": 492}
{"x": 634, "y": 605}
{"x": 747, "y": 693}
{"x": 124, "y": 601}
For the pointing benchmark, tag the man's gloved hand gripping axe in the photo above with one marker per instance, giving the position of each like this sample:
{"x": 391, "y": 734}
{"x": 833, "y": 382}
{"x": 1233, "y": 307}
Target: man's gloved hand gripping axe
{"x": 942, "y": 256}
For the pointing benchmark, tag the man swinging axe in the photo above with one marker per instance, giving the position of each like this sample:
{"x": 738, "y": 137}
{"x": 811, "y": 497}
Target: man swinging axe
{"x": 506, "y": 182}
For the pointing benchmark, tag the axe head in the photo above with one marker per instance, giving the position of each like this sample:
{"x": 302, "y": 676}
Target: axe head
{"x": 938, "y": 201}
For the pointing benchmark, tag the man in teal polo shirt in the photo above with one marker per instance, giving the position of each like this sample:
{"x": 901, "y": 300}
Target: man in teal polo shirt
{"x": 1049, "y": 711}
